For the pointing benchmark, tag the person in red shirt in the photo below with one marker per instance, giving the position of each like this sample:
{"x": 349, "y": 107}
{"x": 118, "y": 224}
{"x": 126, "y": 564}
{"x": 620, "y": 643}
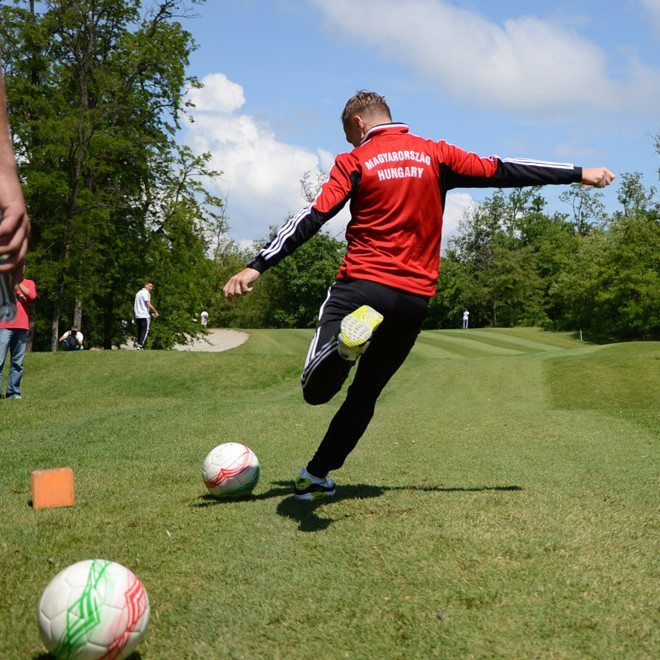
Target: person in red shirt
{"x": 13, "y": 338}
{"x": 396, "y": 183}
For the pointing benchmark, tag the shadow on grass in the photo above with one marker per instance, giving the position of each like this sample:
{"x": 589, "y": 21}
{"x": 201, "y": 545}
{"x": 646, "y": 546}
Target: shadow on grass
{"x": 304, "y": 512}
{"x": 48, "y": 656}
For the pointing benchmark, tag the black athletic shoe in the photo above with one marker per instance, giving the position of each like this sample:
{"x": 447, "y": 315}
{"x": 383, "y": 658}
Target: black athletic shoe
{"x": 306, "y": 487}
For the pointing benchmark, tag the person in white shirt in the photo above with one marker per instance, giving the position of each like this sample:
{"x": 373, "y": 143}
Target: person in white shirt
{"x": 205, "y": 319}
{"x": 143, "y": 309}
{"x": 72, "y": 340}
{"x": 466, "y": 317}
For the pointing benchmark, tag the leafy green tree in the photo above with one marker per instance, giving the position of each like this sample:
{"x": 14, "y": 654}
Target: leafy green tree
{"x": 297, "y": 286}
{"x": 630, "y": 284}
{"x": 286, "y": 296}
{"x": 575, "y": 292}
{"x": 588, "y": 209}
{"x": 611, "y": 288}
{"x": 290, "y": 294}
{"x": 96, "y": 90}
{"x": 302, "y": 280}
{"x": 456, "y": 291}
{"x": 492, "y": 267}
{"x": 515, "y": 289}
{"x": 248, "y": 312}
{"x": 634, "y": 197}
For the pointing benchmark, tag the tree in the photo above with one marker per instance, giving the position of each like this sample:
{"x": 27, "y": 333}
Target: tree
{"x": 290, "y": 294}
{"x": 300, "y": 282}
{"x": 456, "y": 291}
{"x": 635, "y": 199}
{"x": 588, "y": 209}
{"x": 515, "y": 290}
{"x": 491, "y": 266}
{"x": 629, "y": 288}
{"x": 96, "y": 90}
{"x": 611, "y": 288}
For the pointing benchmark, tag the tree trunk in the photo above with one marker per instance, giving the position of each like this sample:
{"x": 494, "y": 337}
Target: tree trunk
{"x": 77, "y": 314}
{"x": 108, "y": 320}
{"x": 55, "y": 325}
{"x": 57, "y": 307}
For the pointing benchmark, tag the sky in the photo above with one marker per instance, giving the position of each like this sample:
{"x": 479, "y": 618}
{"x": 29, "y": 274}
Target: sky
{"x": 571, "y": 81}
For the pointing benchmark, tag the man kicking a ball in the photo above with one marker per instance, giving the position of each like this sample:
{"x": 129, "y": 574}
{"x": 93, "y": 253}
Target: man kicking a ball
{"x": 396, "y": 183}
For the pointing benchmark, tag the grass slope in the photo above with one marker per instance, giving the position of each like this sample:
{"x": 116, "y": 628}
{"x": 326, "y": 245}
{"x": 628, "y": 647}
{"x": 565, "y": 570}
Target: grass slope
{"x": 502, "y": 504}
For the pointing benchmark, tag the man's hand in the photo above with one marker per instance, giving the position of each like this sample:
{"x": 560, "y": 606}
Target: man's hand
{"x": 241, "y": 283}
{"x": 597, "y": 176}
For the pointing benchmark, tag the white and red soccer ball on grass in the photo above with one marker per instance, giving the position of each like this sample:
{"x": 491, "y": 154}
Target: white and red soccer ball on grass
{"x": 93, "y": 609}
{"x": 230, "y": 470}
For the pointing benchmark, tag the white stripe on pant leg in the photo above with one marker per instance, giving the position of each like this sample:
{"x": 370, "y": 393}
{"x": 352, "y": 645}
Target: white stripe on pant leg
{"x": 328, "y": 348}
{"x": 312, "y": 349}
{"x": 315, "y": 338}
{"x": 146, "y": 334}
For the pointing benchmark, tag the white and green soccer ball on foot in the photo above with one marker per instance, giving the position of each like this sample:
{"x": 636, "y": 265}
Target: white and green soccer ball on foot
{"x": 93, "y": 609}
{"x": 230, "y": 470}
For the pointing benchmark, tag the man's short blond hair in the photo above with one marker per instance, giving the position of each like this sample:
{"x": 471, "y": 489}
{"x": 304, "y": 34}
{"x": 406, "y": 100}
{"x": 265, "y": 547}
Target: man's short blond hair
{"x": 365, "y": 102}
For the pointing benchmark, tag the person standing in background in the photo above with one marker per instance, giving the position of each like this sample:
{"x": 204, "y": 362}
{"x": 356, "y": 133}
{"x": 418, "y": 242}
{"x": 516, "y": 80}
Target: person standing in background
{"x": 143, "y": 309}
{"x": 13, "y": 338}
{"x": 466, "y": 319}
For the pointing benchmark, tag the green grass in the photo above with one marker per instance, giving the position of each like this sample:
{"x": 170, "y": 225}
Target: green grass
{"x": 503, "y": 503}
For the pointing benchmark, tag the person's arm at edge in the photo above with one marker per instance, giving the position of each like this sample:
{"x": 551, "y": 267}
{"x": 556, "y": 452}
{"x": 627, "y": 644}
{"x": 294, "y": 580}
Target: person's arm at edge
{"x": 15, "y": 224}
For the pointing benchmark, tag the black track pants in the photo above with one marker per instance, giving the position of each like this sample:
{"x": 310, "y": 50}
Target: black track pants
{"x": 143, "y": 331}
{"x": 325, "y": 370}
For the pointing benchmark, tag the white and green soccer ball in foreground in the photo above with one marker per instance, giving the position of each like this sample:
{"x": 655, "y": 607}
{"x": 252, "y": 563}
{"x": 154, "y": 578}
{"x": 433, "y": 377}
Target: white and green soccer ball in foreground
{"x": 93, "y": 609}
{"x": 230, "y": 470}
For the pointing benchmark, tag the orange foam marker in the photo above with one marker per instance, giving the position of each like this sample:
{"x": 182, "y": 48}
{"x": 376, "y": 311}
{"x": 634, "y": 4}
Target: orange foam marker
{"x": 51, "y": 488}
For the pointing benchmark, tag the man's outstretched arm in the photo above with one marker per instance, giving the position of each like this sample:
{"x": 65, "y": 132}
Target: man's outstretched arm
{"x": 463, "y": 169}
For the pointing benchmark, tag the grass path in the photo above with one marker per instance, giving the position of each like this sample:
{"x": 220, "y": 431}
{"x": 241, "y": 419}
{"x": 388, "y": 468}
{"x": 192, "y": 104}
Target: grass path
{"x": 503, "y": 503}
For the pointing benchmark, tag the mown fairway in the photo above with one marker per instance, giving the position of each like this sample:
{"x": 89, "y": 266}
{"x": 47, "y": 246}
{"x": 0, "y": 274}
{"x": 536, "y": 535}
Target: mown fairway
{"x": 502, "y": 504}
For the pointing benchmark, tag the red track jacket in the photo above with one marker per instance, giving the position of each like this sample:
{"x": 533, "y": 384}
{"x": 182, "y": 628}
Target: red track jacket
{"x": 397, "y": 183}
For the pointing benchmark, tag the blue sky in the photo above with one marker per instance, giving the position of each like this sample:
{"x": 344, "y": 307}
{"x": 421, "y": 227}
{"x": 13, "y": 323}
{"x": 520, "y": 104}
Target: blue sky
{"x": 574, "y": 81}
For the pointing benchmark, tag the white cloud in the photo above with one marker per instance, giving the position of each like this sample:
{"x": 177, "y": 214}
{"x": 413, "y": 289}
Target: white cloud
{"x": 652, "y": 8}
{"x": 219, "y": 94}
{"x": 260, "y": 175}
{"x": 456, "y": 205}
{"x": 526, "y": 64}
